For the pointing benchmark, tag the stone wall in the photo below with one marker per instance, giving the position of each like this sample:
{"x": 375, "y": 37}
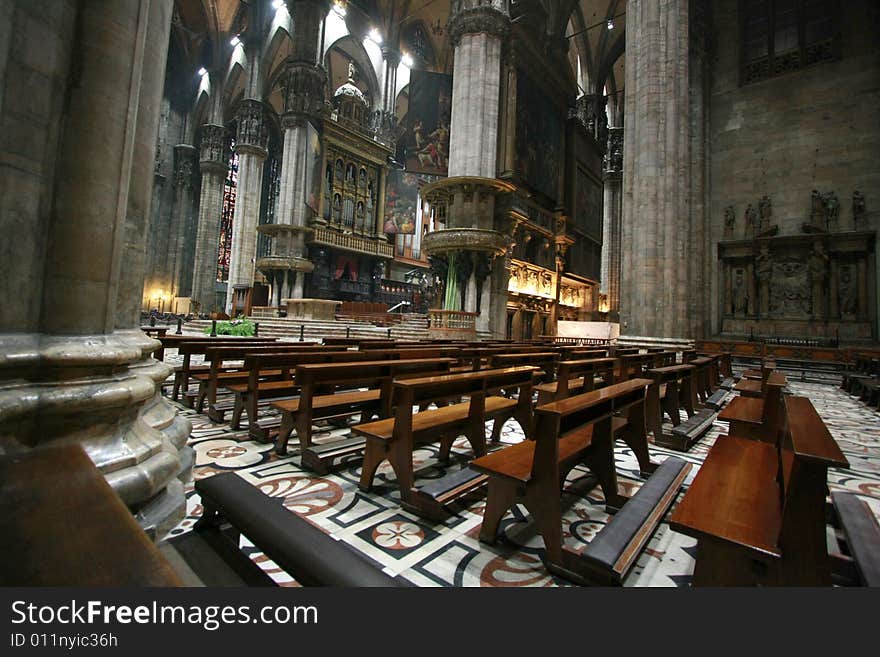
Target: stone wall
{"x": 818, "y": 128}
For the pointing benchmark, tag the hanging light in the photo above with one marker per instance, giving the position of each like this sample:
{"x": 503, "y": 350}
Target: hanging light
{"x": 610, "y": 24}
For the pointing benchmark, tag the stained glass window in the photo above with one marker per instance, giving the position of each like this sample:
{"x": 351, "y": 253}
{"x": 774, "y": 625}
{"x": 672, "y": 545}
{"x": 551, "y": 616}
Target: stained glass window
{"x": 226, "y": 214}
{"x": 271, "y": 192}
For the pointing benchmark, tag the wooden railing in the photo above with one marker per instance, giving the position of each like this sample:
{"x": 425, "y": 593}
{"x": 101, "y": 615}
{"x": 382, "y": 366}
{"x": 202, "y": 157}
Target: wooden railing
{"x": 452, "y": 320}
{"x": 351, "y": 242}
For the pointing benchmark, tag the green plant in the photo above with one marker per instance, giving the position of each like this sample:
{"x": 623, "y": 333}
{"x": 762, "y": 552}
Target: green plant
{"x": 242, "y": 327}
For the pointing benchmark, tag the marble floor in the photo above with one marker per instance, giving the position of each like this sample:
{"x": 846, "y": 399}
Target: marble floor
{"x": 448, "y": 553}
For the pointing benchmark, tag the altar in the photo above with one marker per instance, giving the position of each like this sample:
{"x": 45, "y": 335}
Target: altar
{"x": 322, "y": 309}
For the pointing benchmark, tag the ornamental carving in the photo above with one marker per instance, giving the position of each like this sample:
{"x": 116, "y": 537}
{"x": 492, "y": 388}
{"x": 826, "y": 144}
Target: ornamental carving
{"x": 465, "y": 239}
{"x": 213, "y": 147}
{"x": 184, "y": 166}
{"x": 304, "y": 87}
{"x": 478, "y": 16}
{"x": 614, "y": 151}
{"x": 252, "y": 130}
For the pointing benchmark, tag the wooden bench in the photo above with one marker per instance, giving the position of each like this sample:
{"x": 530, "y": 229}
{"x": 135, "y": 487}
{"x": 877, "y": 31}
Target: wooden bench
{"x": 575, "y": 377}
{"x": 576, "y": 430}
{"x": 756, "y": 418}
{"x": 375, "y": 376}
{"x": 61, "y": 524}
{"x": 671, "y": 390}
{"x": 704, "y": 375}
{"x": 546, "y": 360}
{"x": 191, "y": 348}
{"x": 301, "y": 549}
{"x": 862, "y": 536}
{"x": 757, "y": 509}
{"x": 395, "y": 438}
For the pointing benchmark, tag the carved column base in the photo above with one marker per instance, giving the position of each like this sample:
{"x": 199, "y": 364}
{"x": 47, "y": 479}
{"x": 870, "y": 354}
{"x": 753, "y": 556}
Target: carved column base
{"x": 100, "y": 391}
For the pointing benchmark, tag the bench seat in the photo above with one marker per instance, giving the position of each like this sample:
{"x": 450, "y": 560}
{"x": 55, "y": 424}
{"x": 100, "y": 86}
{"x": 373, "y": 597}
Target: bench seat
{"x": 308, "y": 554}
{"x": 324, "y": 402}
{"x": 689, "y": 432}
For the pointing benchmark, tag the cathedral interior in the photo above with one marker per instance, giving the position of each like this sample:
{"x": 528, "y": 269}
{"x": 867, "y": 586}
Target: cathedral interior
{"x": 440, "y": 293}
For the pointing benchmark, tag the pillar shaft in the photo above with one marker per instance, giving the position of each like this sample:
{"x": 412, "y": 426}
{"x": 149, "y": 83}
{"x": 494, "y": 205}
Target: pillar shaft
{"x": 185, "y": 162}
{"x": 213, "y": 163}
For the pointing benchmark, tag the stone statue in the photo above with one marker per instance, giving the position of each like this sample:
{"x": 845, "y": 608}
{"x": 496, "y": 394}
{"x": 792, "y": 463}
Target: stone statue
{"x": 764, "y": 273}
{"x": 818, "y": 222}
{"x": 818, "y": 265}
{"x": 847, "y": 292}
{"x": 858, "y": 210}
{"x": 765, "y": 209}
{"x": 751, "y": 221}
{"x": 832, "y": 211}
{"x": 740, "y": 294}
{"x": 729, "y": 222}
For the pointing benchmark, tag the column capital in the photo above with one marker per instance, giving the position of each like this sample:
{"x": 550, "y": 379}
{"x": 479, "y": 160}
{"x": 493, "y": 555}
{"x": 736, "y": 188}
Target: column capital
{"x": 212, "y": 149}
{"x": 304, "y": 89}
{"x": 391, "y": 55}
{"x": 253, "y": 134}
{"x": 476, "y": 16}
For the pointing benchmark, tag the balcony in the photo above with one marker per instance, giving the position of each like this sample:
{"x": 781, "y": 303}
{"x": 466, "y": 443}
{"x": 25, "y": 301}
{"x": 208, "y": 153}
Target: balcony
{"x": 348, "y": 242}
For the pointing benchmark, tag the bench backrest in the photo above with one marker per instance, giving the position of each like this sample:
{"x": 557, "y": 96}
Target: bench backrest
{"x": 569, "y": 370}
{"x": 200, "y": 346}
{"x": 219, "y": 355}
{"x": 546, "y": 360}
{"x": 451, "y": 386}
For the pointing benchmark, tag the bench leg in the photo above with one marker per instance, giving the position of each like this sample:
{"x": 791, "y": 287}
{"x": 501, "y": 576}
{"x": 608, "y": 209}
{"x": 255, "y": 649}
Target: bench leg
{"x": 671, "y": 404}
{"x": 636, "y": 438}
{"x": 600, "y": 459}
{"x": 499, "y": 499}
{"x": 287, "y": 426}
{"x": 303, "y": 423}
{"x": 175, "y": 391}
{"x": 237, "y": 411}
{"x": 445, "y": 449}
{"x": 374, "y": 454}
{"x": 545, "y": 507}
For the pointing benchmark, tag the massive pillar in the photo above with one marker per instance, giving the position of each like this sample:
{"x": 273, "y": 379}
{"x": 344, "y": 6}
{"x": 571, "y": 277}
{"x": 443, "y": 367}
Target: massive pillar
{"x": 478, "y": 30}
{"x": 213, "y": 162}
{"x": 185, "y": 163}
{"x": 84, "y": 374}
{"x": 304, "y": 83}
{"x": 662, "y": 228}
{"x": 611, "y": 246}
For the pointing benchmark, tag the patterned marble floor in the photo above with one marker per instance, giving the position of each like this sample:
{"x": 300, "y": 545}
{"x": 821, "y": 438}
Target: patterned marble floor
{"x": 449, "y": 554}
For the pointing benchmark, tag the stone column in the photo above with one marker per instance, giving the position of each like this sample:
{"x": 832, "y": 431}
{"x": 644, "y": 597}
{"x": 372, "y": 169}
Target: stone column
{"x": 304, "y": 85}
{"x": 185, "y": 163}
{"x": 213, "y": 162}
{"x": 477, "y": 30}
{"x": 86, "y": 376}
{"x": 611, "y": 245}
{"x": 250, "y": 144}
{"x": 663, "y": 223}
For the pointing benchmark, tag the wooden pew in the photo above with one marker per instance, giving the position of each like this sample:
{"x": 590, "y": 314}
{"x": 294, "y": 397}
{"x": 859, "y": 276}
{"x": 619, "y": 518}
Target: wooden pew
{"x": 756, "y": 418}
{"x": 757, "y": 509}
{"x": 395, "y": 438}
{"x": 218, "y": 373}
{"x": 305, "y": 552}
{"x": 532, "y": 473}
{"x": 546, "y": 360}
{"x": 862, "y": 538}
{"x": 674, "y": 388}
{"x": 632, "y": 366}
{"x": 249, "y": 394}
{"x": 61, "y": 524}
{"x": 191, "y": 348}
{"x": 376, "y": 376}
{"x": 575, "y": 377}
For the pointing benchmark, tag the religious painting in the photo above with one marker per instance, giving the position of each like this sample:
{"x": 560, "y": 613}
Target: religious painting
{"x": 588, "y": 200}
{"x": 426, "y": 141}
{"x": 539, "y": 138}
{"x": 401, "y": 201}
{"x": 313, "y": 169}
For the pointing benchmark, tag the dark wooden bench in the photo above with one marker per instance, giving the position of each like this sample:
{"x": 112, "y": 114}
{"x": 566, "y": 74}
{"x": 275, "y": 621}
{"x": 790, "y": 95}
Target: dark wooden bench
{"x": 757, "y": 509}
{"x": 862, "y": 536}
{"x": 575, "y": 377}
{"x": 191, "y": 348}
{"x": 579, "y": 429}
{"x": 546, "y": 360}
{"x": 672, "y": 389}
{"x": 756, "y": 418}
{"x": 395, "y": 438}
{"x": 305, "y": 552}
{"x": 719, "y": 399}
{"x": 61, "y": 524}
{"x": 375, "y": 376}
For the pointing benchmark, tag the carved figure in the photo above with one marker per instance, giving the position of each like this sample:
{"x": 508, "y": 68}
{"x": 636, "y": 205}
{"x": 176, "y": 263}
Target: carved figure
{"x": 818, "y": 265}
{"x": 729, "y": 221}
{"x": 765, "y": 209}
{"x": 832, "y": 210}
{"x": 740, "y": 294}
{"x": 858, "y": 210}
{"x": 848, "y": 293}
{"x": 764, "y": 273}
{"x": 751, "y": 221}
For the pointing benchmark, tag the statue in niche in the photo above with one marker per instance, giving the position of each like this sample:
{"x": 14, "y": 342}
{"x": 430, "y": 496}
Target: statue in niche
{"x": 790, "y": 289}
{"x": 740, "y": 294}
{"x": 848, "y": 292}
{"x": 832, "y": 211}
{"x": 858, "y": 210}
{"x": 751, "y": 221}
{"x": 764, "y": 273}
{"x": 817, "y": 223}
{"x": 729, "y": 222}
{"x": 818, "y": 265}
{"x": 765, "y": 210}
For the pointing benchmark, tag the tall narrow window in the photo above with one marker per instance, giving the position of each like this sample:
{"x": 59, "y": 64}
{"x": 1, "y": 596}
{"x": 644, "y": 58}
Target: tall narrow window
{"x": 271, "y": 189}
{"x": 224, "y": 252}
{"x": 778, "y": 36}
